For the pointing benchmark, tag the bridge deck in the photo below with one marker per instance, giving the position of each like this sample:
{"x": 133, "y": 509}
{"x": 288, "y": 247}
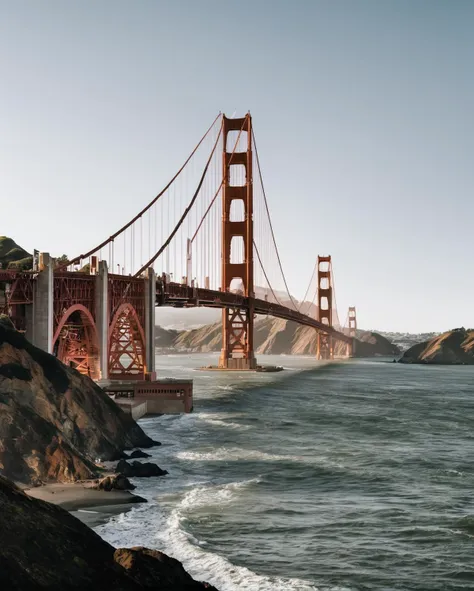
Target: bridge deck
{"x": 180, "y": 296}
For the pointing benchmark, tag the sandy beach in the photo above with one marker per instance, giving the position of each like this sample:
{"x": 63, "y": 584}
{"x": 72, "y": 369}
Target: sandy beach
{"x": 87, "y": 504}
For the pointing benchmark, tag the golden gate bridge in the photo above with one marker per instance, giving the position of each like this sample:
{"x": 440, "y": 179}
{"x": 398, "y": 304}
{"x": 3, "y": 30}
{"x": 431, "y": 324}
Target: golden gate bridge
{"x": 206, "y": 239}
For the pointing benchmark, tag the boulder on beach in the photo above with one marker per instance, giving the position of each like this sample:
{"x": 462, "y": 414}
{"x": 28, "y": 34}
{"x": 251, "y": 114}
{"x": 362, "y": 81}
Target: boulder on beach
{"x": 114, "y": 482}
{"x": 139, "y": 470}
{"x": 54, "y": 421}
{"x": 42, "y": 546}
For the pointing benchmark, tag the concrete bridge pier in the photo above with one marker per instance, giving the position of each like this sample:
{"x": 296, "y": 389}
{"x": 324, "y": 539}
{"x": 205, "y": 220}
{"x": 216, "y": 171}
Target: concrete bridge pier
{"x": 102, "y": 318}
{"x": 42, "y": 325}
{"x": 150, "y": 300}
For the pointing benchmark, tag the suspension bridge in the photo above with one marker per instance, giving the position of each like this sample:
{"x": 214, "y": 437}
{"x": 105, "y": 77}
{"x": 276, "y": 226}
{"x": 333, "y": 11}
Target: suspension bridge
{"x": 206, "y": 239}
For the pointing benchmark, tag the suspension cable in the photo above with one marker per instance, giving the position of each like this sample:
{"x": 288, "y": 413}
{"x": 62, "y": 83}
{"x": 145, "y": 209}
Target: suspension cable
{"x": 309, "y": 287}
{"x": 265, "y": 274}
{"x": 270, "y": 221}
{"x": 152, "y": 202}
{"x": 224, "y": 179}
{"x": 186, "y": 211}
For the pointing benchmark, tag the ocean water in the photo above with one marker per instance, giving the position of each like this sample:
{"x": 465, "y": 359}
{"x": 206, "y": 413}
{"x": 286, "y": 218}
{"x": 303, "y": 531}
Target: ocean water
{"x": 350, "y": 476}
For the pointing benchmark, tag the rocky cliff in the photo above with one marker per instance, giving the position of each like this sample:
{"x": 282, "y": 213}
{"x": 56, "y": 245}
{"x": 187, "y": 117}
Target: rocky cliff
{"x": 54, "y": 422}
{"x": 273, "y": 336}
{"x": 455, "y": 347}
{"x": 44, "y": 547}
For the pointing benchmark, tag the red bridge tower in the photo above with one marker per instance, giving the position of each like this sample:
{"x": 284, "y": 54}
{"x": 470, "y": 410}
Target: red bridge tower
{"x": 325, "y": 346}
{"x": 237, "y": 323}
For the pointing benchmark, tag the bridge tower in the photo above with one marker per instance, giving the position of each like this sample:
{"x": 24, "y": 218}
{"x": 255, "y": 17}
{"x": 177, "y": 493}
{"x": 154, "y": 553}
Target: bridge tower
{"x": 324, "y": 348}
{"x": 352, "y": 330}
{"x": 237, "y": 323}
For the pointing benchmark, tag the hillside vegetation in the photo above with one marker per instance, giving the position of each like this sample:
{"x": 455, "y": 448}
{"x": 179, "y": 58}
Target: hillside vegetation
{"x": 13, "y": 256}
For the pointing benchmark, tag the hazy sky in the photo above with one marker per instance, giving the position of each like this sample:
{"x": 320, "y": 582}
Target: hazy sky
{"x": 363, "y": 111}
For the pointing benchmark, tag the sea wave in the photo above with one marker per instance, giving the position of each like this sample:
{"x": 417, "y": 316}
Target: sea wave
{"x": 220, "y": 420}
{"x": 154, "y": 527}
{"x": 239, "y": 454}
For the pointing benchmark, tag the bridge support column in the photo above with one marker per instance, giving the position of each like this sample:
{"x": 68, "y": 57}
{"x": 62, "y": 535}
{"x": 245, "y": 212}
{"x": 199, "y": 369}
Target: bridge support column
{"x": 237, "y": 323}
{"x": 352, "y": 330}
{"x": 42, "y": 332}
{"x": 150, "y": 300}
{"x": 324, "y": 349}
{"x": 102, "y": 317}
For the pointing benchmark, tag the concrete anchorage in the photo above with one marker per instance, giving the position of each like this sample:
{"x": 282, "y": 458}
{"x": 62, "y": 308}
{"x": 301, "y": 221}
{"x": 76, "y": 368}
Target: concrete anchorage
{"x": 102, "y": 317}
{"x": 42, "y": 329}
{"x": 150, "y": 300}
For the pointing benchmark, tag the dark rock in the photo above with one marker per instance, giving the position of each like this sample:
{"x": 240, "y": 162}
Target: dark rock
{"x": 138, "y": 453}
{"x": 149, "y": 566}
{"x": 115, "y": 482}
{"x": 139, "y": 470}
{"x": 42, "y": 546}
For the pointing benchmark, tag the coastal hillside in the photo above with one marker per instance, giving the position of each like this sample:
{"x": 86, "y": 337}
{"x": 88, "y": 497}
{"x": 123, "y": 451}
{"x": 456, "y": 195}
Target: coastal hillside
{"x": 272, "y": 336}
{"x": 455, "y": 347}
{"x": 12, "y": 255}
{"x": 54, "y": 422}
{"x": 44, "y": 547}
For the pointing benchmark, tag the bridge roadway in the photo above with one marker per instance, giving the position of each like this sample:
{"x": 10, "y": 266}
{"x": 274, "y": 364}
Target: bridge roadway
{"x": 182, "y": 296}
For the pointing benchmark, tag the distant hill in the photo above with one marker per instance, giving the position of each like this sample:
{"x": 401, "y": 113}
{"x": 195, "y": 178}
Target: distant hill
{"x": 455, "y": 347}
{"x": 272, "y": 336}
{"x": 14, "y": 256}
{"x": 405, "y": 340}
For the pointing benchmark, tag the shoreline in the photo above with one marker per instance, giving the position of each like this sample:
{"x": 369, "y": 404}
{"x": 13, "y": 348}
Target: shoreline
{"x": 92, "y": 507}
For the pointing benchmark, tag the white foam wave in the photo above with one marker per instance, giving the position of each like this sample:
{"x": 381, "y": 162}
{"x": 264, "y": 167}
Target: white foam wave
{"x": 234, "y": 454}
{"x": 219, "y": 420}
{"x": 206, "y": 495}
{"x": 154, "y": 528}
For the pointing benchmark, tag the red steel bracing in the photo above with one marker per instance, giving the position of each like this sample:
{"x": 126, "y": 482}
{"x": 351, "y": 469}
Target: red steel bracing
{"x": 18, "y": 295}
{"x": 70, "y": 289}
{"x": 237, "y": 323}
{"x": 324, "y": 349}
{"x": 76, "y": 343}
{"x": 75, "y": 337}
{"x": 126, "y": 345}
{"x": 126, "y": 296}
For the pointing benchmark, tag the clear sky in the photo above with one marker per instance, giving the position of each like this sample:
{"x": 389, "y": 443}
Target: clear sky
{"x": 363, "y": 111}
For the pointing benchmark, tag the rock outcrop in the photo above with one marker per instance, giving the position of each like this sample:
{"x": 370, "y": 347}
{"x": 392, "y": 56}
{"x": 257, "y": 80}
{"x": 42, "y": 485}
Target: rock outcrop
{"x": 55, "y": 422}
{"x": 138, "y": 453}
{"x": 276, "y": 336}
{"x": 44, "y": 547}
{"x": 455, "y": 347}
{"x": 139, "y": 470}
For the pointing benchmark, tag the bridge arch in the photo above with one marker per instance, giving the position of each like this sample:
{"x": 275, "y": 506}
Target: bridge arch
{"x": 75, "y": 341}
{"x": 126, "y": 344}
